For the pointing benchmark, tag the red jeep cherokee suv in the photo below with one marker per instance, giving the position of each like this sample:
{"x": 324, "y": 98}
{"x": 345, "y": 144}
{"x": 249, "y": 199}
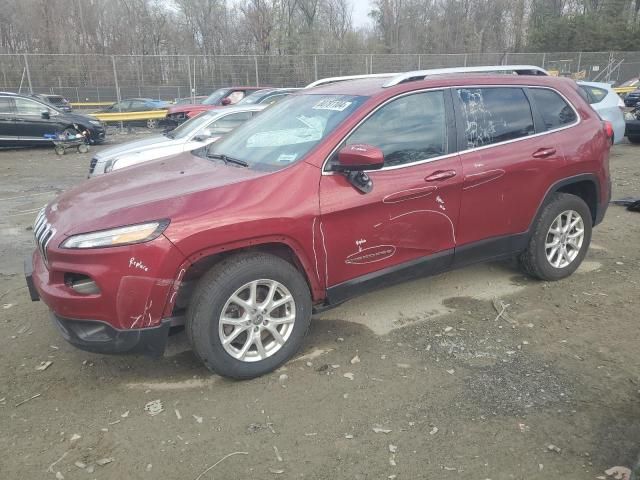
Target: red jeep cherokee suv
{"x": 333, "y": 192}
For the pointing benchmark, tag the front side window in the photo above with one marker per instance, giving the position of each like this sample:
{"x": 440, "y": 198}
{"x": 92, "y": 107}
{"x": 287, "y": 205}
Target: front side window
{"x": 29, "y": 107}
{"x": 494, "y": 115}
{"x": 286, "y": 132}
{"x": 229, "y": 122}
{"x": 215, "y": 97}
{"x": 409, "y": 129}
{"x": 6, "y": 105}
{"x": 555, "y": 111}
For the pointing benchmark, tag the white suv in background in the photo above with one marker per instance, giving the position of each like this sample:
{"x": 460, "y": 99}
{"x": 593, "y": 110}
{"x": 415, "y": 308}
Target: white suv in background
{"x": 197, "y": 132}
{"x": 608, "y": 104}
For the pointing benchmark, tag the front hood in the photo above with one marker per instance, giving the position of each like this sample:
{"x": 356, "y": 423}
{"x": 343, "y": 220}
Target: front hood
{"x": 135, "y": 146}
{"x": 150, "y": 191}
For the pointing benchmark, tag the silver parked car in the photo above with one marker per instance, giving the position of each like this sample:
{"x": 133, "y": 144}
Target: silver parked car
{"x": 197, "y": 132}
{"x": 608, "y": 104}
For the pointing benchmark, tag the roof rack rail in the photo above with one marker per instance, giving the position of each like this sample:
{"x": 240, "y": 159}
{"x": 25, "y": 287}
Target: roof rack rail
{"x": 325, "y": 81}
{"x": 422, "y": 74}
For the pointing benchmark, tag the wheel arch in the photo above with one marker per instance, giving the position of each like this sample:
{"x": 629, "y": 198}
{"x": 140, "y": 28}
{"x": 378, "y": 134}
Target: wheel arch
{"x": 586, "y": 186}
{"x": 200, "y": 262}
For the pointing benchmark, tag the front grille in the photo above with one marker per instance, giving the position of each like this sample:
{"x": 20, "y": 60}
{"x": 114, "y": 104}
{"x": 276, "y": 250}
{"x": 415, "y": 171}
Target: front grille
{"x": 43, "y": 233}
{"x": 92, "y": 164}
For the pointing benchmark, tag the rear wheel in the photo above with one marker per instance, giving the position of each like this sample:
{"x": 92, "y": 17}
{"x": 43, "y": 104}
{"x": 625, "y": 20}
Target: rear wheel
{"x": 248, "y": 315}
{"x": 152, "y": 123}
{"x": 560, "y": 238}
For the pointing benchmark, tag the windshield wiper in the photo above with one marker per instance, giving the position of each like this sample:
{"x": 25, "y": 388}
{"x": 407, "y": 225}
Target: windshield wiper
{"x": 226, "y": 159}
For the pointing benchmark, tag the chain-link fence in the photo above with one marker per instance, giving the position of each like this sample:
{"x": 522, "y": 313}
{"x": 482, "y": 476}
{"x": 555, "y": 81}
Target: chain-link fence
{"x": 95, "y": 78}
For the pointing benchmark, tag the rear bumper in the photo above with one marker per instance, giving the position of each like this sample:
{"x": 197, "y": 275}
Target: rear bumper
{"x": 100, "y": 337}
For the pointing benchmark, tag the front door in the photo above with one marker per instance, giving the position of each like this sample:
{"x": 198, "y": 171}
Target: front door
{"x": 406, "y": 225}
{"x": 30, "y": 122}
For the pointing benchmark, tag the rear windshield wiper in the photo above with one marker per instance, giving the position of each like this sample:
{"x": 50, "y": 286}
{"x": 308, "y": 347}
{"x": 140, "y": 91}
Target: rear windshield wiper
{"x": 226, "y": 159}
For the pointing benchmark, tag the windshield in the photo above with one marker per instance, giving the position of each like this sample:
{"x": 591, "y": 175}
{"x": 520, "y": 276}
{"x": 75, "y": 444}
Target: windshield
{"x": 255, "y": 97}
{"x": 286, "y": 132}
{"x": 215, "y": 97}
{"x": 192, "y": 125}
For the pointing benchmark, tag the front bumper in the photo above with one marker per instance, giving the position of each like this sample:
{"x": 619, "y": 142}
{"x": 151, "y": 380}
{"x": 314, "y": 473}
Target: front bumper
{"x": 100, "y": 337}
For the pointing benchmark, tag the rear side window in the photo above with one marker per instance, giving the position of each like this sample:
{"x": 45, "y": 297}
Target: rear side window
{"x": 595, "y": 94}
{"x": 407, "y": 130}
{"x": 494, "y": 115}
{"x": 555, "y": 111}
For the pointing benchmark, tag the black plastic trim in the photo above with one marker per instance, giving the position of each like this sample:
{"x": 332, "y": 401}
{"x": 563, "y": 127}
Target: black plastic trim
{"x": 490, "y": 249}
{"x": 420, "y": 267}
{"x": 100, "y": 337}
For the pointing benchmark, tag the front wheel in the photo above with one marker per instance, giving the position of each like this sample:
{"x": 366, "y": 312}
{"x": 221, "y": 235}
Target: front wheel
{"x": 248, "y": 315}
{"x": 560, "y": 238}
{"x": 152, "y": 123}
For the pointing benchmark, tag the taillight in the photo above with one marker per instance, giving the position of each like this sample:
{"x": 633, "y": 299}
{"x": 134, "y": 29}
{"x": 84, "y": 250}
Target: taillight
{"x": 608, "y": 128}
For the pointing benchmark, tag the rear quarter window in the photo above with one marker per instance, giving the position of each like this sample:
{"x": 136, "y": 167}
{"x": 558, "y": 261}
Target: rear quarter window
{"x": 555, "y": 111}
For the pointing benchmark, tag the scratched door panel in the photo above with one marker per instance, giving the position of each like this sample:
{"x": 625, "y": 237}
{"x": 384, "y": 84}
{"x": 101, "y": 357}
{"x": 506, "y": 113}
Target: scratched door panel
{"x": 402, "y": 219}
{"x": 500, "y": 172}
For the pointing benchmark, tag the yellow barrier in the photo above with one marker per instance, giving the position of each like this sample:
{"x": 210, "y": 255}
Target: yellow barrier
{"x": 90, "y": 104}
{"x": 623, "y": 90}
{"x": 130, "y": 116}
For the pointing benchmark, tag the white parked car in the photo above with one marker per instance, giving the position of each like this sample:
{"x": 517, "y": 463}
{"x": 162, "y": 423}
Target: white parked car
{"x": 608, "y": 104}
{"x": 197, "y": 132}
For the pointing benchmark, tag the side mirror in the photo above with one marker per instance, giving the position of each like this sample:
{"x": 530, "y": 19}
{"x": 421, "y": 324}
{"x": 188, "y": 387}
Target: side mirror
{"x": 358, "y": 157}
{"x": 45, "y": 114}
{"x": 204, "y": 135}
{"x": 353, "y": 160}
{"x": 226, "y": 101}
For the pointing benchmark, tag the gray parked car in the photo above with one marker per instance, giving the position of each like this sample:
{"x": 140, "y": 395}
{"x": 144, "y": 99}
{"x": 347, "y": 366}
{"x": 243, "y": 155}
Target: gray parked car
{"x": 197, "y": 132}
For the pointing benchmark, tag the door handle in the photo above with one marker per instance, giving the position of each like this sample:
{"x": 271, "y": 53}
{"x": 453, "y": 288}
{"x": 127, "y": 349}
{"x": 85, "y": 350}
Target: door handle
{"x": 440, "y": 175}
{"x": 544, "y": 153}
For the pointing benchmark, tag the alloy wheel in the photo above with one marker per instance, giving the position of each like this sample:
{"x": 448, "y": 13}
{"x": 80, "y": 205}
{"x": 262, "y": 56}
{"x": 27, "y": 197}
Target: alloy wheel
{"x": 257, "y": 320}
{"x": 564, "y": 239}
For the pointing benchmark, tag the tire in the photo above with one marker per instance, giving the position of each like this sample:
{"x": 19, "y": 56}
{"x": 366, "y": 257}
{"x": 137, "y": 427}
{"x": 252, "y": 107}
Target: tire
{"x": 206, "y": 328}
{"x": 152, "y": 123}
{"x": 59, "y": 150}
{"x": 634, "y": 139}
{"x": 84, "y": 148}
{"x": 535, "y": 259}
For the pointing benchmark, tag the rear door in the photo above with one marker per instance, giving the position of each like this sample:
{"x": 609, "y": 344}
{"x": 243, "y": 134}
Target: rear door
{"x": 406, "y": 224}
{"x": 505, "y": 167}
{"x": 8, "y": 128}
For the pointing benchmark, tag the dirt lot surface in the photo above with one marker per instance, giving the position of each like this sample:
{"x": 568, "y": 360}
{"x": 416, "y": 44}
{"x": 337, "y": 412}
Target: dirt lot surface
{"x": 415, "y": 381}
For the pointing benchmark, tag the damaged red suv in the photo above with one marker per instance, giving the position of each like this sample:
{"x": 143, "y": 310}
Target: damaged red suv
{"x": 331, "y": 193}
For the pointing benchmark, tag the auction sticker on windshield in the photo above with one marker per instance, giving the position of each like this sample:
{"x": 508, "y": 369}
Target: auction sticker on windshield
{"x": 336, "y": 105}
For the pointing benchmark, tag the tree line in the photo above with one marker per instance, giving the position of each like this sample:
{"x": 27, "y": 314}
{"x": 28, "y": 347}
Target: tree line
{"x": 281, "y": 27}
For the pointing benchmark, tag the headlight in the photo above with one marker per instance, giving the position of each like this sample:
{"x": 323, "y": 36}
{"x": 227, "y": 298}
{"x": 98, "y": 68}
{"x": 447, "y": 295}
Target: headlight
{"x": 144, "y": 232}
{"x": 95, "y": 122}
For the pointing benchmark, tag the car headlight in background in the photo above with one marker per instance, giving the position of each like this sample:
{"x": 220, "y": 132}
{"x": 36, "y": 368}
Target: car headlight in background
{"x": 95, "y": 122}
{"x": 128, "y": 235}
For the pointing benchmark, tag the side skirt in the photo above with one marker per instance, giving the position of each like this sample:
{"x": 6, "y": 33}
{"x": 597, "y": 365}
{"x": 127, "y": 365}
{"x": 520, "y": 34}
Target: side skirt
{"x": 483, "y": 251}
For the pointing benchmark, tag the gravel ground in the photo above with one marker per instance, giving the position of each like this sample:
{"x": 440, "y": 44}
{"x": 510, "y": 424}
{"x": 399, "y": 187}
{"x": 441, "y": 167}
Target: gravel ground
{"x": 420, "y": 380}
